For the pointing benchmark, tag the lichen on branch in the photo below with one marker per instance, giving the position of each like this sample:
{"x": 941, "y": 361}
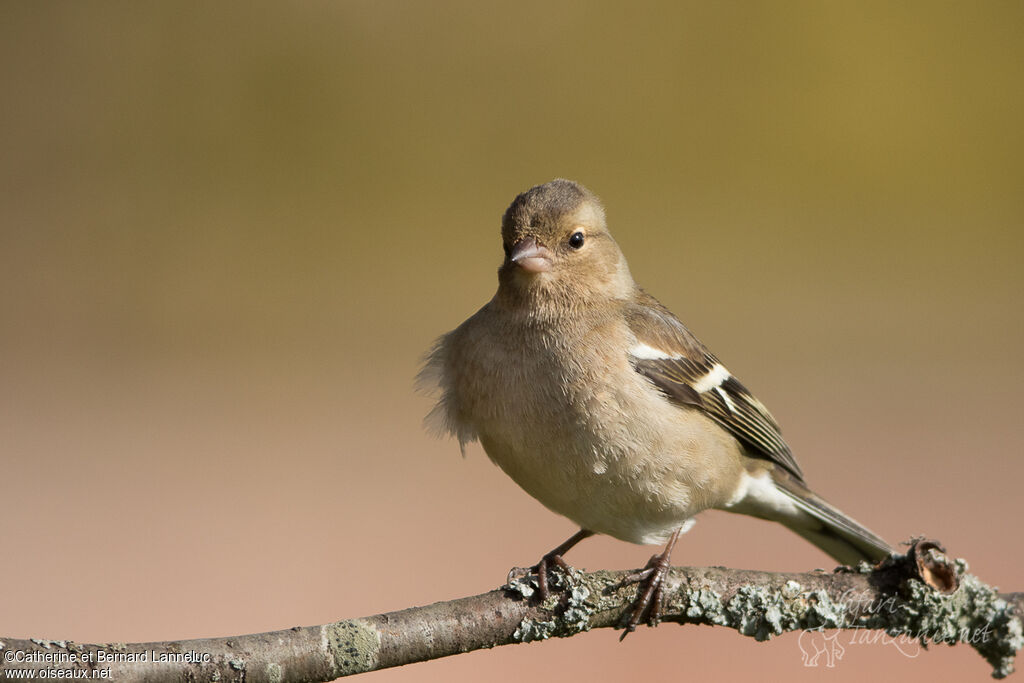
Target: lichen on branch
{"x": 921, "y": 595}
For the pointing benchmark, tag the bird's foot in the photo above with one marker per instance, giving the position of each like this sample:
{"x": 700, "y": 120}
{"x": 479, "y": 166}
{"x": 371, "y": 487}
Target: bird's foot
{"x": 544, "y": 572}
{"x": 543, "y": 568}
{"x": 648, "y": 604}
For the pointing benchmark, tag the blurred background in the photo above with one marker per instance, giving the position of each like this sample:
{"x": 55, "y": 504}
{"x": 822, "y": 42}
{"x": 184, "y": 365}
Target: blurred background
{"x": 228, "y": 231}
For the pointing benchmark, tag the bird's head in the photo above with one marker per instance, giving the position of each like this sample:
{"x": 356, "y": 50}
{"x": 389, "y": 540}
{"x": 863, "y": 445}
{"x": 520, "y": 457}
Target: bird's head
{"x": 558, "y": 248}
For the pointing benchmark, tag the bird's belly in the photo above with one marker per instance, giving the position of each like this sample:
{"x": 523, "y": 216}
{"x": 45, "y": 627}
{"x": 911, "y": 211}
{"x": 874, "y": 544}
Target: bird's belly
{"x": 636, "y": 480}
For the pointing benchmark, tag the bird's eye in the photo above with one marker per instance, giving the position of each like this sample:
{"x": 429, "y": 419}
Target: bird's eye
{"x": 576, "y": 240}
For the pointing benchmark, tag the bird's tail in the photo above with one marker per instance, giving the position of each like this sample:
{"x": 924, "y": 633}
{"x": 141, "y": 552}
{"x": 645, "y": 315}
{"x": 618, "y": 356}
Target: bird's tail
{"x": 828, "y": 528}
{"x": 778, "y": 496}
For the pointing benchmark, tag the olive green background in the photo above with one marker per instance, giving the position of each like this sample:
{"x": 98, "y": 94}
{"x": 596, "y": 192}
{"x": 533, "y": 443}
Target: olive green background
{"x": 228, "y": 231}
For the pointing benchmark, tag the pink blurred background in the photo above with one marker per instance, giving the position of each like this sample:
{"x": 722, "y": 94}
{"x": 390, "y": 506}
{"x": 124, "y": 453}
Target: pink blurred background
{"x": 229, "y": 231}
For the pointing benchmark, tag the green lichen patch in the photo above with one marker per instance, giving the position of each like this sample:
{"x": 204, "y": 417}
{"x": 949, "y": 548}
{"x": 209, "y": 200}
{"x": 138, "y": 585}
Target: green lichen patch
{"x": 575, "y": 616}
{"x": 704, "y": 604}
{"x": 354, "y": 644}
{"x": 974, "y": 614}
{"x": 760, "y": 611}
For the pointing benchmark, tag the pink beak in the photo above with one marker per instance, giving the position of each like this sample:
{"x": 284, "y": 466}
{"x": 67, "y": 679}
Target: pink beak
{"x": 530, "y": 256}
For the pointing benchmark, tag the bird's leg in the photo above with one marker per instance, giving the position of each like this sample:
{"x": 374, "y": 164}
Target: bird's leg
{"x": 554, "y": 558}
{"x": 652, "y": 580}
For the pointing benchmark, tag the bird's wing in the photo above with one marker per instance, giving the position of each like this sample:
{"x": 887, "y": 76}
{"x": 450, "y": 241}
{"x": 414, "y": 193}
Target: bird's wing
{"x": 677, "y": 363}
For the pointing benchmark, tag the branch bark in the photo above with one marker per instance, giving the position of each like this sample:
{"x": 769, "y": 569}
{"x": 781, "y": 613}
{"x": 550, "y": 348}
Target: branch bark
{"x": 921, "y": 595}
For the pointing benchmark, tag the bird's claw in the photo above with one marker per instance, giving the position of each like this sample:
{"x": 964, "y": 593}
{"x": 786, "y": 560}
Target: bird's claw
{"x": 546, "y": 564}
{"x": 543, "y": 570}
{"x": 649, "y": 601}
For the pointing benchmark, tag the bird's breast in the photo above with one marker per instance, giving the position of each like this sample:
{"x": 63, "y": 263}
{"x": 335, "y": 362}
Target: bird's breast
{"x": 581, "y": 431}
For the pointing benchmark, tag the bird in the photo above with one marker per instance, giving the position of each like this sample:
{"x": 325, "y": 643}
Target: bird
{"x": 602, "y": 405}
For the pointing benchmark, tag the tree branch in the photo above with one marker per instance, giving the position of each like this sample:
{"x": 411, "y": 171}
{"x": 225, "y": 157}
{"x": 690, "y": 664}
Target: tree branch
{"x": 921, "y": 595}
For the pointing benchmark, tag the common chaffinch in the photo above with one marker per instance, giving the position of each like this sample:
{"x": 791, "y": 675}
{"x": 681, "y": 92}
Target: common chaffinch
{"x": 603, "y": 406}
